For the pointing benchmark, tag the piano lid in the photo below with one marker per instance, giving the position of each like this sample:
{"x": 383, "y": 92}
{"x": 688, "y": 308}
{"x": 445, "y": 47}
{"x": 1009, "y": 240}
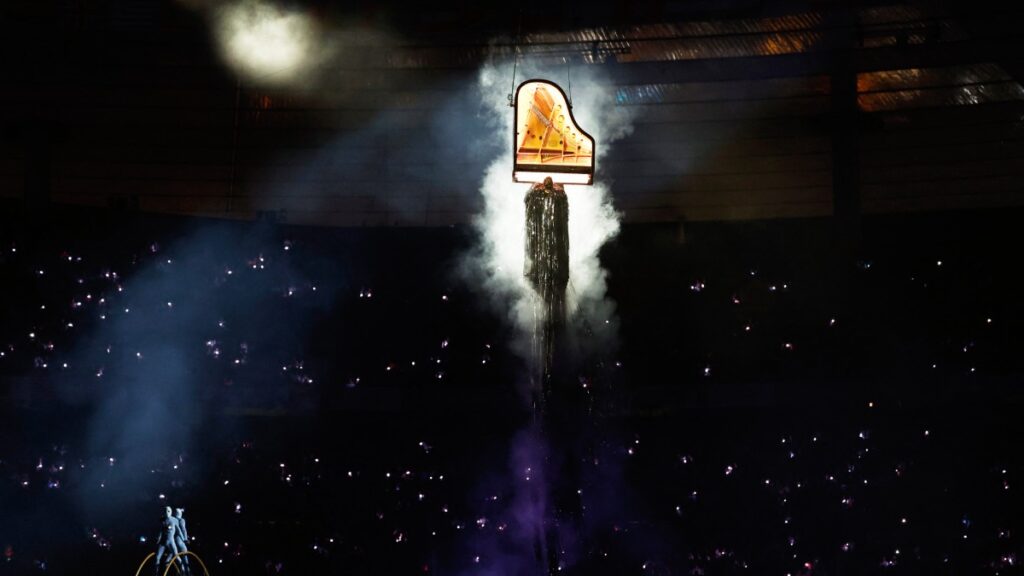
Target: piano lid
{"x": 547, "y": 141}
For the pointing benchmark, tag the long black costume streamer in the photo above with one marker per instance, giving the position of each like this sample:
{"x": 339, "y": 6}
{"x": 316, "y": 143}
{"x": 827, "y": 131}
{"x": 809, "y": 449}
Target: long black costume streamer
{"x": 546, "y": 268}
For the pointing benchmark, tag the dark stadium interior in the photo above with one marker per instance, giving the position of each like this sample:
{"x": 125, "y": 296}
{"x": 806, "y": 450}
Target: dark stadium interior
{"x": 253, "y": 295}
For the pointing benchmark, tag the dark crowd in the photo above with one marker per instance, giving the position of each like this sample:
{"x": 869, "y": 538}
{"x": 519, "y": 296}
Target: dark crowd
{"x": 328, "y": 401}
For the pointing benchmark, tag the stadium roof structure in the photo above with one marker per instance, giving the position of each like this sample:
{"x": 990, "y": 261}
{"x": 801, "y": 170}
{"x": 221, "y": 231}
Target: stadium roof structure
{"x": 742, "y": 109}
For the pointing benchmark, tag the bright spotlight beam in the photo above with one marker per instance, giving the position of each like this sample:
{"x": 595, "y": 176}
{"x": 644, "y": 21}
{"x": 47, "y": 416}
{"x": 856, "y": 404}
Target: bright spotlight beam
{"x": 266, "y": 42}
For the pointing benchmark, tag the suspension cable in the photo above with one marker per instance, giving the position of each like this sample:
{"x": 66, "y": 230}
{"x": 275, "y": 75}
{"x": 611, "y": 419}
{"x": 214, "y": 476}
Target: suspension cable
{"x": 515, "y": 56}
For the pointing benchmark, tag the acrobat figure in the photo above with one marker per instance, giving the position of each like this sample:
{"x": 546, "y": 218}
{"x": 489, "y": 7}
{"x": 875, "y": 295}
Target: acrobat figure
{"x": 181, "y": 540}
{"x": 165, "y": 542}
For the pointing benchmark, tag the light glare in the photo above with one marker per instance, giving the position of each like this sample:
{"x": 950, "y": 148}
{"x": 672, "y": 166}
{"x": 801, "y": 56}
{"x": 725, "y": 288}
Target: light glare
{"x": 264, "y": 41}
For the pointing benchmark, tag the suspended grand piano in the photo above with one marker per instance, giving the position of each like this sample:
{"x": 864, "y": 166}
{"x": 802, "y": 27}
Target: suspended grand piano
{"x": 547, "y": 141}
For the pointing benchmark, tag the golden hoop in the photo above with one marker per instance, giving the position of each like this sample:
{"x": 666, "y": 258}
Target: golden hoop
{"x": 174, "y": 562}
{"x": 144, "y": 560}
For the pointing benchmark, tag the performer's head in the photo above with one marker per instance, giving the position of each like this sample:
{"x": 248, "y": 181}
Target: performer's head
{"x": 179, "y": 512}
{"x": 167, "y": 511}
{"x": 549, "y": 184}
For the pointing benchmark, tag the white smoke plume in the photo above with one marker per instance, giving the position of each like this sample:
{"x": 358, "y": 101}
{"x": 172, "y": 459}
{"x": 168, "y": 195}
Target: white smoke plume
{"x": 593, "y": 221}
